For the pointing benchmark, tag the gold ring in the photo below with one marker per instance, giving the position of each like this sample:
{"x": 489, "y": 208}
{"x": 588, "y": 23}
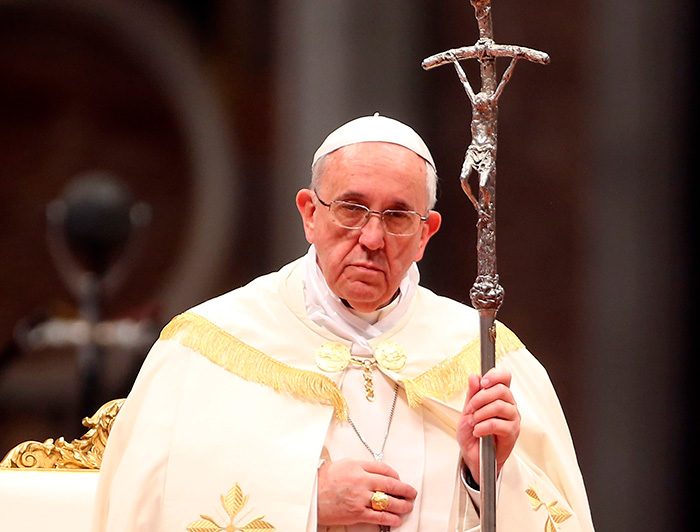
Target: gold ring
{"x": 379, "y": 500}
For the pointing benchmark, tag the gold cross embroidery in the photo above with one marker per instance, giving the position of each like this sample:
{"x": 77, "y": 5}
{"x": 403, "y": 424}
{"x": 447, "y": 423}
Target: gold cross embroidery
{"x": 233, "y": 502}
{"x": 555, "y": 515}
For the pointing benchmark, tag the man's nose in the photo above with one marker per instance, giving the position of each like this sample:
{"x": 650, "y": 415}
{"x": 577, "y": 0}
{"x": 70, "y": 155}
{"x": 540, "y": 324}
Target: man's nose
{"x": 372, "y": 234}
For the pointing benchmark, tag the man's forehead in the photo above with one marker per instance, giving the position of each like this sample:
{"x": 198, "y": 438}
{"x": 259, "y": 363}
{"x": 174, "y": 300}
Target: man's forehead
{"x": 357, "y": 173}
{"x": 371, "y": 152}
{"x": 372, "y": 157}
{"x": 374, "y": 129}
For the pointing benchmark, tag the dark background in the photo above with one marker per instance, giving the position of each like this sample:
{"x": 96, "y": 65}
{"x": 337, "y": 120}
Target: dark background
{"x": 209, "y": 112}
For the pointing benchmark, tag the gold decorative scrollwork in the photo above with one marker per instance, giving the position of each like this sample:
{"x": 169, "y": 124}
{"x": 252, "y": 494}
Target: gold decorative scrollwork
{"x": 555, "y": 515}
{"x": 233, "y": 502}
{"x": 83, "y": 453}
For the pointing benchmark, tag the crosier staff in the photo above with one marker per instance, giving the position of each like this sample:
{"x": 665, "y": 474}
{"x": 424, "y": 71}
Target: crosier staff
{"x": 486, "y": 294}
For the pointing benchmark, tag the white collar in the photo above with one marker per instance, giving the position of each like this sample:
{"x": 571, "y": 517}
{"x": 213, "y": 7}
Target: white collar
{"x": 327, "y": 310}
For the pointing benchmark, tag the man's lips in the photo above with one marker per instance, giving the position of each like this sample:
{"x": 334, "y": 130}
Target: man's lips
{"x": 368, "y": 267}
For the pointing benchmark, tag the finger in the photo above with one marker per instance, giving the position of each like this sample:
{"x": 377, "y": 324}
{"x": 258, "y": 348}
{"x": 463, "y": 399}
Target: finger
{"x": 384, "y": 518}
{"x": 484, "y": 397}
{"x": 378, "y": 468}
{"x": 395, "y": 488}
{"x": 472, "y": 389}
{"x": 378, "y": 517}
{"x": 497, "y": 409}
{"x": 500, "y": 428}
{"x": 395, "y": 505}
{"x": 496, "y": 376}
{"x": 391, "y": 516}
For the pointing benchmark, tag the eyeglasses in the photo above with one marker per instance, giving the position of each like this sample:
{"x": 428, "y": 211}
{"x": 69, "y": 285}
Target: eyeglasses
{"x": 355, "y": 216}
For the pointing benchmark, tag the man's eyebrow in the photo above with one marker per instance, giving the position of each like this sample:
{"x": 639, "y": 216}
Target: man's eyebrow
{"x": 359, "y": 197}
{"x": 350, "y": 195}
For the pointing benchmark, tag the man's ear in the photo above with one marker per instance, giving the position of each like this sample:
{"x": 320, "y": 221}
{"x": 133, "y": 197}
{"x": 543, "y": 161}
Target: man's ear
{"x": 307, "y": 208}
{"x": 430, "y": 227}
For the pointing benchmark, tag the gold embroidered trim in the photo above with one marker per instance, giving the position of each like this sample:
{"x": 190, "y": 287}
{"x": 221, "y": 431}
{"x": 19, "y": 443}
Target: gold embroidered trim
{"x": 83, "y": 453}
{"x": 452, "y": 375}
{"x": 233, "y": 502}
{"x": 227, "y": 351}
{"x": 441, "y": 381}
{"x": 555, "y": 515}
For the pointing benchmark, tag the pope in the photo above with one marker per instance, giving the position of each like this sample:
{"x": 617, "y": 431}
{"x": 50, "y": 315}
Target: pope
{"x": 338, "y": 394}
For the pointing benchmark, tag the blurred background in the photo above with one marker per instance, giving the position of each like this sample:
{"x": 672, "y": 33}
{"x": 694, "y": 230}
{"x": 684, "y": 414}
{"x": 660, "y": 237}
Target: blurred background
{"x": 150, "y": 152}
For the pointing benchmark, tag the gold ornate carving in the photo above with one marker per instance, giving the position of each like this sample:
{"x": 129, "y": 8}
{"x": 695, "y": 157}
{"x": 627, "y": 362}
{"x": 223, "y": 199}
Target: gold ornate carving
{"x": 452, "y": 375}
{"x": 233, "y": 502}
{"x": 555, "y": 515}
{"x": 230, "y": 353}
{"x": 83, "y": 453}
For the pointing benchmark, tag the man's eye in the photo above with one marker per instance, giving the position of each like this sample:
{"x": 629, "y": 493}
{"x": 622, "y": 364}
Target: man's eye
{"x": 397, "y": 215}
{"x": 353, "y": 208}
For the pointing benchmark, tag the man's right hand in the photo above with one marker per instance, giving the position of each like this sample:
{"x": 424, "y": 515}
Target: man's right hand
{"x": 345, "y": 489}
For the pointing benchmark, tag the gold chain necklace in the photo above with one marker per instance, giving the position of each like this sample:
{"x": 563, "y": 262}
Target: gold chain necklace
{"x": 367, "y": 365}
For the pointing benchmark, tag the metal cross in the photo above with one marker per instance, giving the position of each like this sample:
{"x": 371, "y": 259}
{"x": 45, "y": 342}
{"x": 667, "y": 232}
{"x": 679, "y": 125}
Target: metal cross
{"x": 486, "y": 294}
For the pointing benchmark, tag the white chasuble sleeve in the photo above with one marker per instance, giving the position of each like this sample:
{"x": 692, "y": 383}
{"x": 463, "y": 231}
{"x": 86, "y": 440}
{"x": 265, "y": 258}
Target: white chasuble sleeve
{"x": 541, "y": 486}
{"x": 132, "y": 476}
{"x": 200, "y": 448}
{"x": 235, "y": 432}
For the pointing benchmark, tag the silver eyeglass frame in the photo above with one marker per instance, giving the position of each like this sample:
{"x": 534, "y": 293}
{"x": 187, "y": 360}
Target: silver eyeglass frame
{"x": 369, "y": 213}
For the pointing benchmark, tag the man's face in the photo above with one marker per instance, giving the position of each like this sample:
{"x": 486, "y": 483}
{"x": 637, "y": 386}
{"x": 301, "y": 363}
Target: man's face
{"x": 365, "y": 266}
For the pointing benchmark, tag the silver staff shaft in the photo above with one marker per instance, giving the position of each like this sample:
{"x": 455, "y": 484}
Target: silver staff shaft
{"x": 487, "y": 448}
{"x": 480, "y": 160}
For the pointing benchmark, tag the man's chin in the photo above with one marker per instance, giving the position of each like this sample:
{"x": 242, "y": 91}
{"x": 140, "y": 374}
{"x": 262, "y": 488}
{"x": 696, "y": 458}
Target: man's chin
{"x": 362, "y": 301}
{"x": 366, "y": 301}
{"x": 362, "y": 306}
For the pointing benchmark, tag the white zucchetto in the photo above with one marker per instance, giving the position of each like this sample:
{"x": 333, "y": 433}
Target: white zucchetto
{"x": 374, "y": 128}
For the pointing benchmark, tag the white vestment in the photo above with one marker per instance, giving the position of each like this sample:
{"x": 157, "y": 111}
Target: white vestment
{"x": 230, "y": 417}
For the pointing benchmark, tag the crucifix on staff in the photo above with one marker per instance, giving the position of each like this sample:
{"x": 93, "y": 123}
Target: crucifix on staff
{"x": 486, "y": 294}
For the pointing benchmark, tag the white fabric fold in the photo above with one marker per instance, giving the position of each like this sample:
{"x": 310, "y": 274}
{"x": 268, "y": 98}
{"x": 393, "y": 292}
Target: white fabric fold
{"x": 327, "y": 310}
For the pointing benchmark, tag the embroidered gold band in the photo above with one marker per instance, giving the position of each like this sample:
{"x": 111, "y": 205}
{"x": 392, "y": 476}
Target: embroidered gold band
{"x": 227, "y": 351}
{"x": 452, "y": 374}
{"x": 441, "y": 381}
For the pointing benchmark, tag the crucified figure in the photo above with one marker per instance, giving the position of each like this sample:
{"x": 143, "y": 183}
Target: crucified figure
{"x": 480, "y": 156}
{"x": 481, "y": 153}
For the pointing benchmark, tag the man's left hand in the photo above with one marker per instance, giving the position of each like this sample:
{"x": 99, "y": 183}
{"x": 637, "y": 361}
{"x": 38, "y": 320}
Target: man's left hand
{"x": 489, "y": 409}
